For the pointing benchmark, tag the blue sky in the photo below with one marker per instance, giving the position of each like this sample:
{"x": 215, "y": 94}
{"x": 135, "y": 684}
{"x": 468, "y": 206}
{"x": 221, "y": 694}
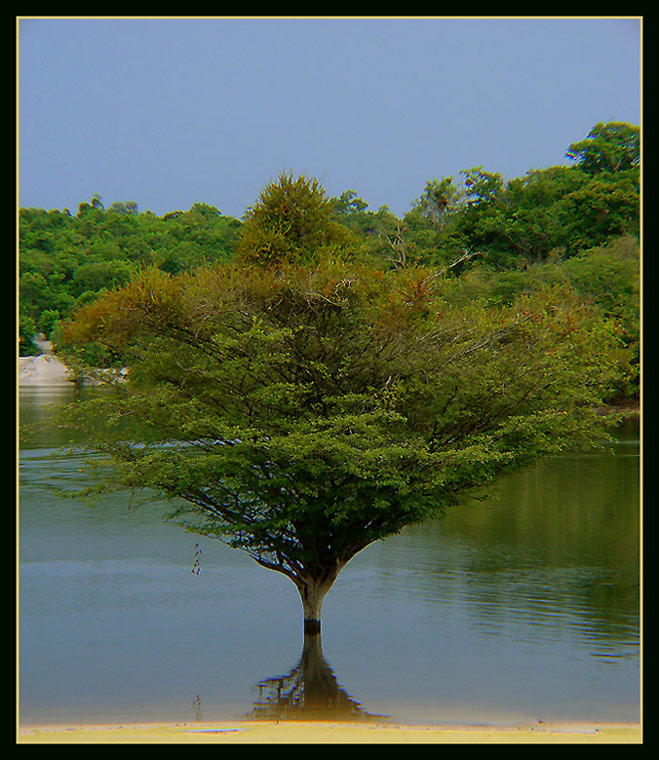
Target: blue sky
{"x": 169, "y": 112}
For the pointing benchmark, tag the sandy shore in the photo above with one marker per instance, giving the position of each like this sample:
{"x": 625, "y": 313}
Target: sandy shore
{"x": 47, "y": 371}
{"x": 253, "y": 732}
{"x": 43, "y": 370}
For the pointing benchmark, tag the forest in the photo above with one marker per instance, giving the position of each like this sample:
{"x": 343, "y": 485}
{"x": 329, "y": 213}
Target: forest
{"x": 484, "y": 239}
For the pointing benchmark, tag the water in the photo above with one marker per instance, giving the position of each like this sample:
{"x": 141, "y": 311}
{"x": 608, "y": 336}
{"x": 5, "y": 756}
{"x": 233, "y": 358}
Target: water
{"x": 522, "y": 607}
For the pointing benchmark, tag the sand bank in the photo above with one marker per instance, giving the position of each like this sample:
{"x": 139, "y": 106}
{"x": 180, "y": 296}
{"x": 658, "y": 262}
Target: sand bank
{"x": 48, "y": 371}
{"x": 294, "y": 732}
{"x": 45, "y": 370}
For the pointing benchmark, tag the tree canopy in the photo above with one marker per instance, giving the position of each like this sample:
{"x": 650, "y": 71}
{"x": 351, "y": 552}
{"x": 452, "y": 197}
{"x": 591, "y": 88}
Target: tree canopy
{"x": 612, "y": 147}
{"x": 292, "y": 219}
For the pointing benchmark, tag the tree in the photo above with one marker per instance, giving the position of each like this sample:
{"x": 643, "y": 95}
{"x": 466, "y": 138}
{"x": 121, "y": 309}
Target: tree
{"x": 292, "y": 219}
{"x": 64, "y": 258}
{"x": 604, "y": 208}
{"x": 482, "y": 186}
{"x": 373, "y": 229}
{"x": 612, "y": 147}
{"x": 302, "y": 412}
{"x": 47, "y": 322}
{"x": 438, "y": 199}
{"x": 526, "y": 218}
{"x": 348, "y": 203}
{"x": 123, "y": 207}
{"x": 100, "y": 274}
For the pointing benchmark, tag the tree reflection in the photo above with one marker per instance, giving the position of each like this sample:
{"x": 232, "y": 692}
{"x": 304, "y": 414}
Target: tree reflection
{"x": 309, "y": 691}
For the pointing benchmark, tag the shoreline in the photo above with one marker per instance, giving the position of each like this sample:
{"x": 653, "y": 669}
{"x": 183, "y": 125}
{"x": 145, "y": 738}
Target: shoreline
{"x": 44, "y": 371}
{"x": 329, "y": 732}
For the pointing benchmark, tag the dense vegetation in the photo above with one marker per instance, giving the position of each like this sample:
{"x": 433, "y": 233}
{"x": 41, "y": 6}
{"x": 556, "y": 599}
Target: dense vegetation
{"x": 576, "y": 224}
{"x": 67, "y": 260}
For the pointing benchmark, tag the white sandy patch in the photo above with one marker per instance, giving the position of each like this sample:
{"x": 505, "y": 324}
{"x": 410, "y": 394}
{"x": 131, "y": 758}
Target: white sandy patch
{"x": 43, "y": 370}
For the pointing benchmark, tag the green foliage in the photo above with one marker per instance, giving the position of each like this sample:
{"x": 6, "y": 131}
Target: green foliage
{"x": 26, "y": 332}
{"x": 613, "y": 147}
{"x": 606, "y": 278}
{"x": 47, "y": 322}
{"x": 123, "y": 207}
{"x": 67, "y": 260}
{"x": 439, "y": 199}
{"x": 526, "y": 218}
{"x": 302, "y": 413}
{"x": 99, "y": 275}
{"x": 482, "y": 186}
{"x": 375, "y": 230}
{"x": 548, "y": 209}
{"x": 292, "y": 220}
{"x": 319, "y": 375}
{"x": 348, "y": 203}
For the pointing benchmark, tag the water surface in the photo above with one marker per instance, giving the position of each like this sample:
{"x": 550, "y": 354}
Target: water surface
{"x": 521, "y": 607}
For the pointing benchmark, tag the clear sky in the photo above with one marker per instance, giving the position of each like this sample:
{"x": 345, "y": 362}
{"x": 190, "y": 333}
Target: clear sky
{"x": 169, "y": 112}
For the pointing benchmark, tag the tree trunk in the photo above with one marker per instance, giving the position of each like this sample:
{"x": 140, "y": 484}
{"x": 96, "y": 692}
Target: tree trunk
{"x": 312, "y": 590}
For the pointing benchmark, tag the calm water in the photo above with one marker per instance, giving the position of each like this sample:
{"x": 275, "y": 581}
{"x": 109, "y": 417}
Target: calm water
{"x": 523, "y": 607}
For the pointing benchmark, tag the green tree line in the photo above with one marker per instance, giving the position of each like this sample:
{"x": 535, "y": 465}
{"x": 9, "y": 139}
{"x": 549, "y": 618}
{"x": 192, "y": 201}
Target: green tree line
{"x": 490, "y": 239}
{"x": 67, "y": 260}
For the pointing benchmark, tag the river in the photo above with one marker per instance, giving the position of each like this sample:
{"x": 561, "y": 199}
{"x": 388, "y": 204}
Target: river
{"x": 523, "y": 607}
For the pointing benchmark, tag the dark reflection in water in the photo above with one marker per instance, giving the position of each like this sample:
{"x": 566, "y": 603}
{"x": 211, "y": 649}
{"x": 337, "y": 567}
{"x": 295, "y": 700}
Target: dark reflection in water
{"x": 309, "y": 691}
